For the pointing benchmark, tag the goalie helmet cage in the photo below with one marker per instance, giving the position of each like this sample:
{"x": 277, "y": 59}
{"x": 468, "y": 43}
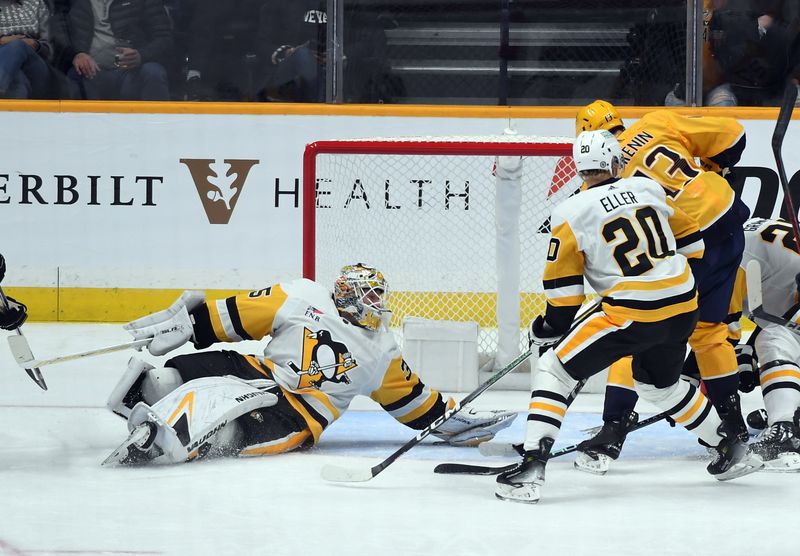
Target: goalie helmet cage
{"x": 458, "y": 225}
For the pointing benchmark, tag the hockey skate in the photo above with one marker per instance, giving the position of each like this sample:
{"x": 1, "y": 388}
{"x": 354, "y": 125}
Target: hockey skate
{"x": 730, "y": 411}
{"x": 779, "y": 447}
{"x": 138, "y": 448}
{"x": 732, "y": 458}
{"x": 523, "y": 483}
{"x": 596, "y": 454}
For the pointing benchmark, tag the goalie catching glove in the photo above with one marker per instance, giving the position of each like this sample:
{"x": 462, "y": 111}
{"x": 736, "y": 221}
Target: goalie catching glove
{"x": 470, "y": 427}
{"x": 542, "y": 335}
{"x": 170, "y": 328}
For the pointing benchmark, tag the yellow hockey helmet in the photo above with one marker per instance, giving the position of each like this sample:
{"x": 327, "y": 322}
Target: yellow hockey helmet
{"x": 597, "y": 115}
{"x": 362, "y": 292}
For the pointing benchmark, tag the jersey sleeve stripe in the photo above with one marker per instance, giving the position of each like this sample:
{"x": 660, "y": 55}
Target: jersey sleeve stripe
{"x": 688, "y": 239}
{"x": 405, "y": 400}
{"x": 225, "y": 321}
{"x": 236, "y": 321}
{"x": 575, "y": 280}
{"x": 423, "y": 415}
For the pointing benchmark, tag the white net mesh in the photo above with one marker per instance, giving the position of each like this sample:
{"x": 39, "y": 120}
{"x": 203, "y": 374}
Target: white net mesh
{"x": 428, "y": 222}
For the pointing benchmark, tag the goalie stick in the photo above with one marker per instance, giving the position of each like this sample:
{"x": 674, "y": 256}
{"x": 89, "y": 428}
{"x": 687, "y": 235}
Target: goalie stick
{"x": 21, "y": 351}
{"x": 32, "y": 370}
{"x": 340, "y": 474}
{"x": 755, "y": 300}
{"x": 781, "y": 125}
{"x": 516, "y": 450}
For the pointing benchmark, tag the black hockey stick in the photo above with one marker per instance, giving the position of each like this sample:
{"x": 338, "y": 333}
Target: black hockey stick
{"x": 784, "y": 117}
{"x": 356, "y": 475}
{"x": 468, "y": 469}
{"x": 33, "y": 372}
{"x": 755, "y": 301}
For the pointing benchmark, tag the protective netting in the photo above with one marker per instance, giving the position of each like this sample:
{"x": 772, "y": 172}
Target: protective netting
{"x": 428, "y": 222}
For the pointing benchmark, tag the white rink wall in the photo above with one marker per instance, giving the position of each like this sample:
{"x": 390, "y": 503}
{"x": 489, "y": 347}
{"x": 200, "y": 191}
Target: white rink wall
{"x": 109, "y": 200}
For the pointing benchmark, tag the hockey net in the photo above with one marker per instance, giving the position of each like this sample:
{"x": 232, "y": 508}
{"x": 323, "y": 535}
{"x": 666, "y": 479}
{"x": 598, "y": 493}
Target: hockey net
{"x": 458, "y": 225}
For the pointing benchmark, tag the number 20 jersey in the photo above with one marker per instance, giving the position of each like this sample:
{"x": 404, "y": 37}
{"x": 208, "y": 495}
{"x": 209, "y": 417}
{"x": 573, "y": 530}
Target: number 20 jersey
{"x": 631, "y": 242}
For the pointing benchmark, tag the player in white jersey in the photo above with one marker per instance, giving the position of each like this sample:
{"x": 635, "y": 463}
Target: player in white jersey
{"x": 630, "y": 242}
{"x": 324, "y": 350}
{"x": 776, "y": 348}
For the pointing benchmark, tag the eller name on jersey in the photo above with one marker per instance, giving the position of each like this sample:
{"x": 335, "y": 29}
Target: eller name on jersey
{"x": 630, "y": 241}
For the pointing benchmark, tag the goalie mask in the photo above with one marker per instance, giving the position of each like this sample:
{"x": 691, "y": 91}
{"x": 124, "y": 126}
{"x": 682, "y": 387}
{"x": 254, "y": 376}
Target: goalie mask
{"x": 597, "y": 150}
{"x": 598, "y": 115}
{"x": 362, "y": 292}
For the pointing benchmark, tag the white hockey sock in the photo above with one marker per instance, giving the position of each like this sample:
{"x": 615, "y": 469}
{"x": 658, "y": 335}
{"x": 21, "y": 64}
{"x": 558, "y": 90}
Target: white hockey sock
{"x": 550, "y": 385}
{"x": 780, "y": 384}
{"x": 687, "y": 406}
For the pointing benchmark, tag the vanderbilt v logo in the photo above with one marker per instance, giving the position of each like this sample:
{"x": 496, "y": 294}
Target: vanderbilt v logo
{"x": 219, "y": 184}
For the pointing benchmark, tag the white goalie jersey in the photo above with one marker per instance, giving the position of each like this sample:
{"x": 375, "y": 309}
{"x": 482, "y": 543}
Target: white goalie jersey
{"x": 320, "y": 361}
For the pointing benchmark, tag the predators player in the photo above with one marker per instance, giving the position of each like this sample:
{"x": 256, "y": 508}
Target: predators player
{"x": 631, "y": 242}
{"x": 664, "y": 146}
{"x": 323, "y": 351}
{"x": 776, "y": 365}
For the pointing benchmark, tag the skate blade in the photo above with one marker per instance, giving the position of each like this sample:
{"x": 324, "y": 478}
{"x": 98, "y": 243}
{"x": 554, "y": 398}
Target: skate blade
{"x": 785, "y": 463}
{"x": 523, "y": 494}
{"x": 121, "y": 455}
{"x": 748, "y": 465}
{"x": 587, "y": 464}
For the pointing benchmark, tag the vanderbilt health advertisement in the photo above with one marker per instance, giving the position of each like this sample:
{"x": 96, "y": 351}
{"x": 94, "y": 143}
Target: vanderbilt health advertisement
{"x": 166, "y": 202}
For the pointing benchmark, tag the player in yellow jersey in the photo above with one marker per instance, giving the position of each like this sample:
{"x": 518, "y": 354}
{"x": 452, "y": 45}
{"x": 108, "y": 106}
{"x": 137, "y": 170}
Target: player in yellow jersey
{"x": 324, "y": 349}
{"x": 630, "y": 242}
{"x": 664, "y": 146}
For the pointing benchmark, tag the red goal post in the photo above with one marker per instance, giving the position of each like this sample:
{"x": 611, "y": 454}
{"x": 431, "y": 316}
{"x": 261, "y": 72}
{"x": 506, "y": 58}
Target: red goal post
{"x": 458, "y": 225}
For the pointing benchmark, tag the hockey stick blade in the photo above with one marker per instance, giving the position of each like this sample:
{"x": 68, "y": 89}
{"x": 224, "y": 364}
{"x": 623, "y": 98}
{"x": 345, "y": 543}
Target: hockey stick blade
{"x": 467, "y": 469}
{"x": 21, "y": 351}
{"x": 511, "y": 449}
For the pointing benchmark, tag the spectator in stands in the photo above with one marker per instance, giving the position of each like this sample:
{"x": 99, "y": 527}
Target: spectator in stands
{"x": 292, "y": 47}
{"x": 292, "y": 51}
{"x": 716, "y": 91}
{"x": 24, "y": 49}
{"x": 751, "y": 44}
{"x": 222, "y": 50}
{"x": 117, "y": 50}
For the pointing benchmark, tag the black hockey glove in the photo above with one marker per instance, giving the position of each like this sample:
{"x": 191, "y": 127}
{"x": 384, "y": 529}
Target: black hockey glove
{"x": 13, "y": 317}
{"x": 542, "y": 335}
{"x": 2, "y": 267}
{"x": 748, "y": 368}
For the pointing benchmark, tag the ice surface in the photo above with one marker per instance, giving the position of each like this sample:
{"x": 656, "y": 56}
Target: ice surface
{"x": 56, "y": 499}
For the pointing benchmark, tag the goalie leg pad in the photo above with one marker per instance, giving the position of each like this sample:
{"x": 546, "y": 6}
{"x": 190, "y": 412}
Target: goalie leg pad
{"x": 191, "y": 419}
{"x": 158, "y": 382}
{"x": 128, "y": 391}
